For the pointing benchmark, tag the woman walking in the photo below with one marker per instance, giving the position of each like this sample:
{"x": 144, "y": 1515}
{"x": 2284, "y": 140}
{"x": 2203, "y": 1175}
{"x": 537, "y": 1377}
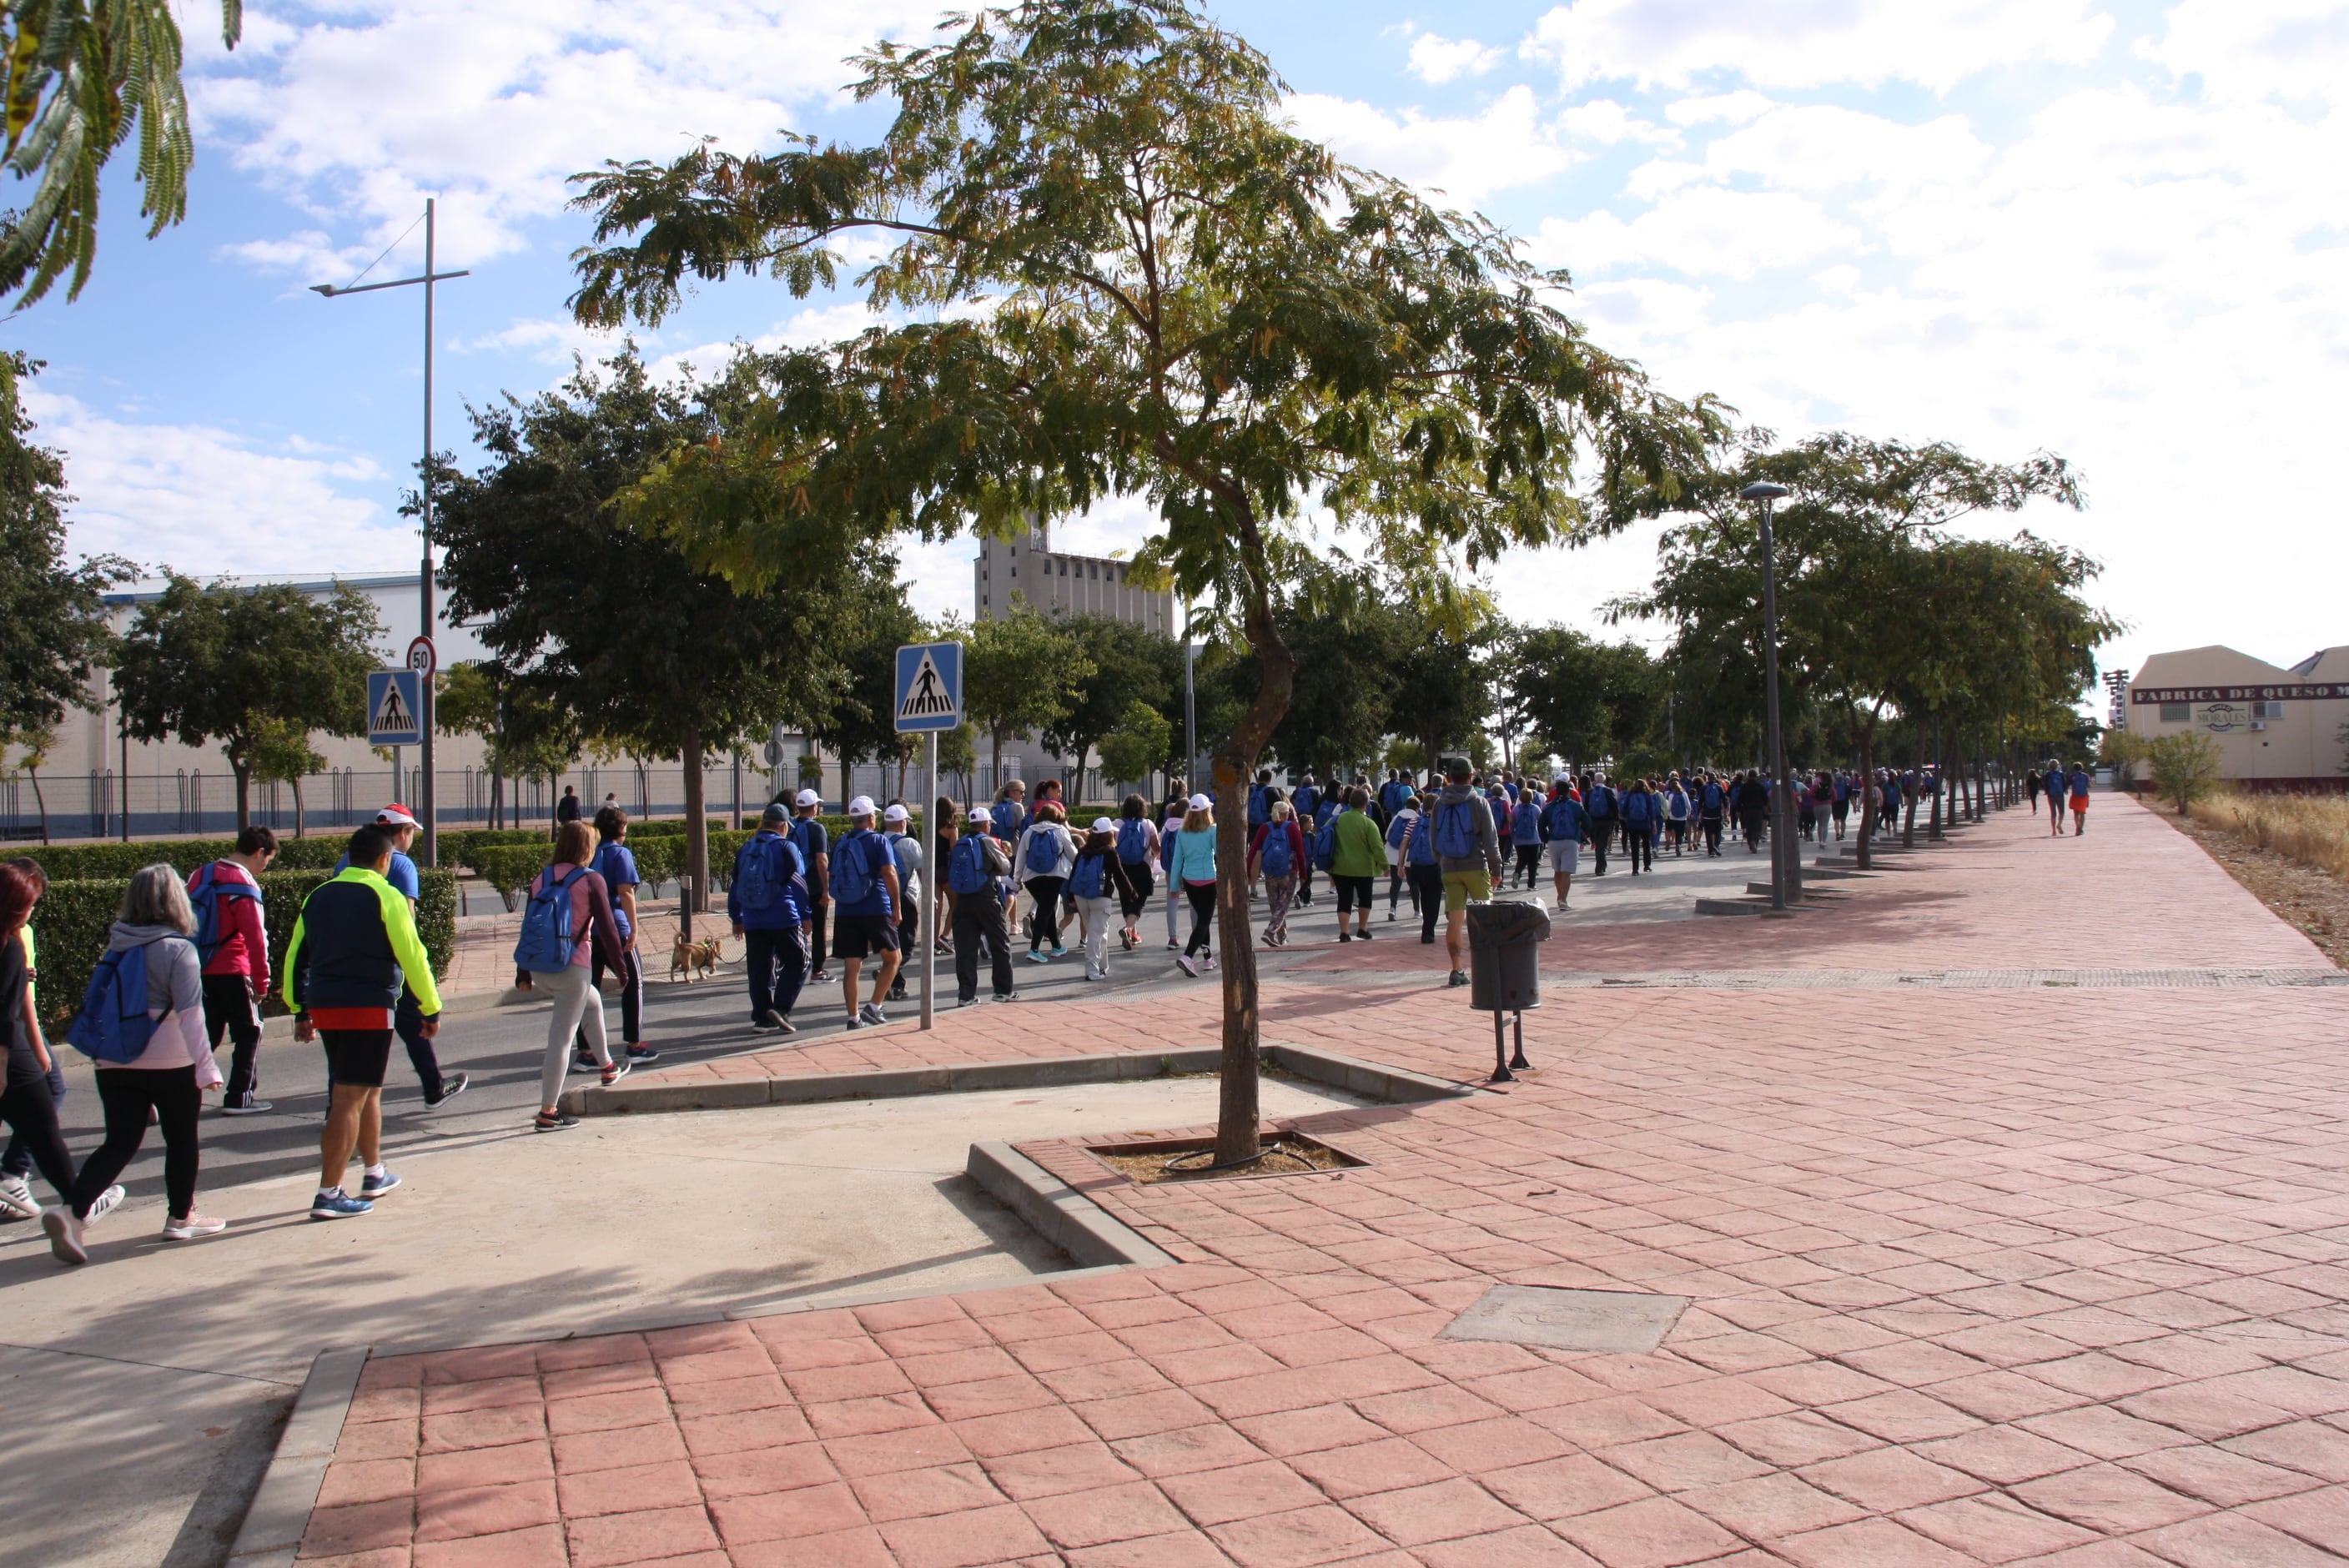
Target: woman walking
{"x": 1192, "y": 868}
{"x": 1399, "y": 820}
{"x": 944, "y": 816}
{"x": 1096, "y": 879}
{"x": 569, "y": 919}
{"x": 1358, "y": 854}
{"x": 1276, "y": 852}
{"x": 1170, "y": 827}
{"x": 26, "y": 1104}
{"x": 167, "y": 1079}
{"x": 1137, "y": 854}
{"x": 1424, "y": 868}
{"x": 1042, "y": 859}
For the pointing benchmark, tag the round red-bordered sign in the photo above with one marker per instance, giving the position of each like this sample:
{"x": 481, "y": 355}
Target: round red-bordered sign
{"x": 422, "y": 658}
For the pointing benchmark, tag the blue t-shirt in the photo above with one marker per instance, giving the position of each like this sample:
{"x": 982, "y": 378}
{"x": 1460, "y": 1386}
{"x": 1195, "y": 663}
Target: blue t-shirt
{"x": 808, "y": 837}
{"x": 617, "y": 866}
{"x": 401, "y": 876}
{"x": 873, "y": 849}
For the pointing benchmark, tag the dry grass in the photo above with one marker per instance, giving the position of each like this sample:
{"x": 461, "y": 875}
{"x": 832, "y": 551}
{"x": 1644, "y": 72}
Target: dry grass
{"x": 2312, "y": 830}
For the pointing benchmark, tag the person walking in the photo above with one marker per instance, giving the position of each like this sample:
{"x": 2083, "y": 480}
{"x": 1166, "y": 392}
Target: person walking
{"x": 945, "y": 814}
{"x": 814, "y": 845}
{"x": 1275, "y": 850}
{"x": 1137, "y": 855}
{"x": 1753, "y": 810}
{"x": 28, "y": 1104}
{"x": 1839, "y": 805}
{"x": 616, "y": 864}
{"x": 234, "y": 948}
{"x": 1424, "y": 868}
{"x": 1676, "y": 814}
{"x": 1357, "y": 853}
{"x": 153, "y": 983}
{"x": 2055, "y": 787}
{"x": 1178, "y": 806}
{"x": 1307, "y": 802}
{"x": 977, "y": 869}
{"x": 567, "y": 809}
{"x": 1044, "y": 856}
{"x": 567, "y": 921}
{"x": 2033, "y": 782}
{"x": 1637, "y": 806}
{"x": 1398, "y": 823}
{"x": 353, "y": 956}
{"x": 1525, "y": 835}
{"x": 1600, "y": 816}
{"x": 2079, "y": 782}
{"x": 1095, "y": 882}
{"x": 906, "y": 851}
{"x": 868, "y": 896}
{"x": 1563, "y": 820}
{"x": 1469, "y": 850}
{"x": 16, "y": 1164}
{"x": 1193, "y": 868}
{"x": 767, "y": 905}
{"x": 407, "y": 1019}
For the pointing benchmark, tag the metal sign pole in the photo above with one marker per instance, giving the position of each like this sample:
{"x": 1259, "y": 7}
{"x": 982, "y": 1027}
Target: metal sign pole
{"x": 933, "y": 868}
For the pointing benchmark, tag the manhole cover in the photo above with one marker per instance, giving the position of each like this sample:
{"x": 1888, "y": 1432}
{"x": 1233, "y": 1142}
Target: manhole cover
{"x": 1614, "y": 1321}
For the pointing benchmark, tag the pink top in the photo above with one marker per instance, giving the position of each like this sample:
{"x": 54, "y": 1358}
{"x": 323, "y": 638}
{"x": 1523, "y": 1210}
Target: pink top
{"x": 591, "y": 916}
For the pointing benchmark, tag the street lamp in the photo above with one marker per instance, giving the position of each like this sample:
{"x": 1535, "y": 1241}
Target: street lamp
{"x": 426, "y": 815}
{"x": 1786, "y": 857}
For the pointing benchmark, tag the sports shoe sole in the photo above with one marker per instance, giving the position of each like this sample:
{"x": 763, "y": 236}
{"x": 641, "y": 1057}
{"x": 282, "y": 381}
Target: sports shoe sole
{"x": 62, "y": 1246}
{"x": 262, "y": 1109}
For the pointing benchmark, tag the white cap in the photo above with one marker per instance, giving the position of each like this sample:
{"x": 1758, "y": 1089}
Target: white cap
{"x": 394, "y": 817}
{"x": 861, "y": 807}
{"x": 1201, "y": 803}
{"x": 1103, "y": 825}
{"x": 808, "y": 798}
{"x": 897, "y": 814}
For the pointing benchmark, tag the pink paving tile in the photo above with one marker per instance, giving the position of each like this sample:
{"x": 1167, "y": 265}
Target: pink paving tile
{"x": 921, "y": 1493}
{"x": 483, "y": 1467}
{"x": 2320, "y": 1518}
{"x": 1994, "y": 1528}
{"x": 751, "y": 1472}
{"x": 462, "y": 1513}
{"x": 1868, "y": 1543}
{"x": 1683, "y": 1461}
{"x": 1888, "y": 1479}
{"x": 539, "y": 1548}
{"x": 2218, "y": 1476}
{"x": 1210, "y": 1445}
{"x": 1241, "y": 1491}
{"x": 1183, "y": 1548}
{"x": 1443, "y": 1511}
{"x": 2233, "y": 1541}
{"x": 647, "y": 1536}
{"x": 2107, "y": 1498}
{"x": 1301, "y": 1538}
{"x": 1770, "y": 1506}
{"x": 1525, "y": 1546}
{"x": 359, "y": 1527}
{"x": 366, "y": 1481}
{"x": 1656, "y": 1533}
{"x": 1555, "y": 1489}
{"x": 617, "y": 1448}
{"x": 669, "y": 1484}
{"x": 1128, "y": 1511}
{"x": 797, "y": 1514}
{"x": 987, "y": 1535}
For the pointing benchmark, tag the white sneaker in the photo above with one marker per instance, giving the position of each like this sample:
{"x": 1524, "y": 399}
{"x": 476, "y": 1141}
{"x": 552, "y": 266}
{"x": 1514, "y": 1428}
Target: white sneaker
{"x": 192, "y": 1226}
{"x": 17, "y": 1200}
{"x": 1187, "y": 966}
{"x": 107, "y": 1203}
{"x": 65, "y": 1235}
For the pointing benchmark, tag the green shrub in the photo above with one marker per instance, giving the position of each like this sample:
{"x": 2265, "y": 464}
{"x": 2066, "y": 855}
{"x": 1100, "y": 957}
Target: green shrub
{"x": 73, "y": 918}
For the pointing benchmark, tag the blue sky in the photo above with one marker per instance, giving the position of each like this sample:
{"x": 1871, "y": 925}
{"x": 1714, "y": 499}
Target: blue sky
{"x": 2112, "y": 231}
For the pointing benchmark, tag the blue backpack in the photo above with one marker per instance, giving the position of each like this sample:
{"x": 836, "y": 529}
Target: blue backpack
{"x": 1087, "y": 881}
{"x": 1043, "y": 851}
{"x": 204, "y": 898}
{"x": 547, "y": 940}
{"x": 966, "y": 867}
{"x": 1325, "y": 846}
{"x": 113, "y": 1025}
{"x": 1132, "y": 841}
{"x": 1637, "y": 809}
{"x": 757, "y": 879}
{"x": 851, "y": 867}
{"x": 1455, "y": 829}
{"x": 1421, "y": 849}
{"x": 1599, "y": 802}
{"x": 1279, "y": 855}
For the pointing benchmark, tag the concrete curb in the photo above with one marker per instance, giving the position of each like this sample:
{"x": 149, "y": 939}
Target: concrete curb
{"x": 1058, "y": 1213}
{"x": 280, "y": 1513}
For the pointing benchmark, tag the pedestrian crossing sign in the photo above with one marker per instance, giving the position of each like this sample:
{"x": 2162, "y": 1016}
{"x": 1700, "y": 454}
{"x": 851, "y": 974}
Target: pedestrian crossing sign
{"x": 395, "y": 707}
{"x": 930, "y": 686}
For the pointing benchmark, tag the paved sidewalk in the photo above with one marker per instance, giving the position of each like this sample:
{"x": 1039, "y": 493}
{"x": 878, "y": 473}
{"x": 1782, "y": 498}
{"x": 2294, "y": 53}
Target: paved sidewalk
{"x": 1976, "y": 1274}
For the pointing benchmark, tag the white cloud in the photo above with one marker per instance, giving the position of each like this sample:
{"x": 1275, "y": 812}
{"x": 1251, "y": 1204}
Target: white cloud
{"x": 549, "y": 340}
{"x": 1605, "y": 121}
{"x": 2280, "y": 48}
{"x": 1819, "y": 148}
{"x": 358, "y": 109}
{"x": 1701, "y": 229}
{"x": 1439, "y": 60}
{"x": 1734, "y": 109}
{"x": 1806, "y": 43}
{"x": 1466, "y": 159}
{"x": 208, "y": 500}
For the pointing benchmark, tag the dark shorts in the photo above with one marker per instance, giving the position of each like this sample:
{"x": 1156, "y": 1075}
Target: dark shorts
{"x": 859, "y": 935}
{"x": 1352, "y": 892}
{"x": 357, "y": 1057}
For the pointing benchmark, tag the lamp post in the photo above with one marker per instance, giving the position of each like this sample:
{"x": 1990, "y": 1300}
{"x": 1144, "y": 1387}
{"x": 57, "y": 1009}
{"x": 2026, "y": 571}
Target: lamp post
{"x": 1785, "y": 858}
{"x": 427, "y": 817}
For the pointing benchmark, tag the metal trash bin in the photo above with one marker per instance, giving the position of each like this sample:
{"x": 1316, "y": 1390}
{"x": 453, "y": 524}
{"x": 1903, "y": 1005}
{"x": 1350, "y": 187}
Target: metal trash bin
{"x": 1505, "y": 972}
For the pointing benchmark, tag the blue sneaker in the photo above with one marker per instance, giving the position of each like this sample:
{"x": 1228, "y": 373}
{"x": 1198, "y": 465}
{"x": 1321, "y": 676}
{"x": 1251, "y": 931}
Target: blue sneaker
{"x": 371, "y": 1188}
{"x": 334, "y": 1204}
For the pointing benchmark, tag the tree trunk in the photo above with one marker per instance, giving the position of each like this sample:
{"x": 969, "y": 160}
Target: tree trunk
{"x": 243, "y": 795}
{"x": 845, "y": 786}
{"x": 40, "y": 801}
{"x": 1867, "y": 787}
{"x": 301, "y": 821}
{"x": 696, "y": 894}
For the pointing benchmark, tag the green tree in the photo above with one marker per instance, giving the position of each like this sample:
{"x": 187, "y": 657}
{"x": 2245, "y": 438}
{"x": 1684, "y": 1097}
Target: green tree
{"x": 523, "y": 735}
{"x": 2185, "y": 767}
{"x": 860, "y": 724}
{"x": 282, "y": 755}
{"x": 1584, "y": 699}
{"x": 1347, "y": 646}
{"x": 1442, "y": 692}
{"x": 32, "y": 749}
{"x": 236, "y": 665}
{"x": 53, "y": 619}
{"x": 1130, "y": 275}
{"x": 2122, "y": 751}
{"x": 83, "y": 76}
{"x": 619, "y": 635}
{"x": 1020, "y": 673}
{"x": 1138, "y": 747}
{"x": 1130, "y": 664}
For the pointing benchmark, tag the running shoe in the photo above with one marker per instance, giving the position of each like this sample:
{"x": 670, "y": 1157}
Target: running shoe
{"x": 617, "y": 1071}
{"x": 821, "y": 978}
{"x": 854, "y": 1022}
{"x": 643, "y": 1056}
{"x": 16, "y": 1199}
{"x": 1185, "y": 964}
{"x": 65, "y": 1235}
{"x": 1208, "y": 962}
{"x": 1036, "y": 956}
{"x": 773, "y": 1023}
{"x": 1090, "y": 975}
{"x": 334, "y": 1204}
{"x": 1427, "y": 939}
{"x": 188, "y": 1227}
{"x": 1365, "y": 933}
{"x": 1459, "y": 977}
{"x": 1005, "y": 996}
{"x": 582, "y": 1063}
{"x": 375, "y": 1187}
{"x": 250, "y": 1107}
{"x": 1172, "y": 944}
{"x": 452, "y": 1087}
{"x": 108, "y": 1202}
{"x": 560, "y": 1121}
{"x": 1391, "y": 914}
{"x": 1058, "y": 951}
{"x": 872, "y": 1013}
{"x": 1345, "y": 936}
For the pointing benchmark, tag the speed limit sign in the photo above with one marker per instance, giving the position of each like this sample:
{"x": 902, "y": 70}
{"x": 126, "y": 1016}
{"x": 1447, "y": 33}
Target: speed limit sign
{"x": 421, "y": 657}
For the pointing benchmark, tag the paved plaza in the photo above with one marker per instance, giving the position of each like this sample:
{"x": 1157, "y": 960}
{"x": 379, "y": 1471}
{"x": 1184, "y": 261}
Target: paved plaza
{"x": 2008, "y": 1198}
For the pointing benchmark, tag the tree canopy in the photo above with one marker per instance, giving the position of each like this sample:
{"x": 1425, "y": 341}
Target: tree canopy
{"x": 53, "y": 620}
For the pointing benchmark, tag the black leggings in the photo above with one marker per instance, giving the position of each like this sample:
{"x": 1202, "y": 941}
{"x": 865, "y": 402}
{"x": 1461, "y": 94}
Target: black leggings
{"x": 1427, "y": 888}
{"x": 1352, "y": 892}
{"x": 1134, "y": 892}
{"x": 1529, "y": 862}
{"x": 1044, "y": 925}
{"x": 31, "y": 1113}
{"x": 1203, "y": 917}
{"x": 128, "y": 1093}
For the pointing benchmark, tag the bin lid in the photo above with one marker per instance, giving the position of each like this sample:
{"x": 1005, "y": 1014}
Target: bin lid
{"x": 1507, "y": 924}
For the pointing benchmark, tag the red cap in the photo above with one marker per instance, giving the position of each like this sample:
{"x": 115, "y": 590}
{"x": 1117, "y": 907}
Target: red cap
{"x": 395, "y": 816}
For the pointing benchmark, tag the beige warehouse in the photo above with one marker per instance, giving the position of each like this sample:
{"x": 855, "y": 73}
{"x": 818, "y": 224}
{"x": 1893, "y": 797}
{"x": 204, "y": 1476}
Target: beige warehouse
{"x": 2276, "y": 728}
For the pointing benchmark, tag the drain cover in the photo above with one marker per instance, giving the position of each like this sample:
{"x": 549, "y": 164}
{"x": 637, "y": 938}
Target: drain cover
{"x": 1616, "y": 1321}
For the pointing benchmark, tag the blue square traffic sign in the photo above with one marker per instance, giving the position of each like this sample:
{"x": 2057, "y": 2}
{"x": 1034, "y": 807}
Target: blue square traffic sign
{"x": 395, "y": 707}
{"x": 930, "y": 686}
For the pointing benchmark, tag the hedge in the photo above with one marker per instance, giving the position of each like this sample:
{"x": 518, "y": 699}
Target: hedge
{"x": 73, "y": 918}
{"x": 86, "y": 862}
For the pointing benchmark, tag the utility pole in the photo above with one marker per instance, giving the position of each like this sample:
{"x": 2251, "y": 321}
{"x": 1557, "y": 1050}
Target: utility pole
{"x": 1787, "y": 856}
{"x": 427, "y": 816}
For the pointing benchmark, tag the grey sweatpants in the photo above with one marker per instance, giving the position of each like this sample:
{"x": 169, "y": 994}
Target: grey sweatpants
{"x": 579, "y": 1009}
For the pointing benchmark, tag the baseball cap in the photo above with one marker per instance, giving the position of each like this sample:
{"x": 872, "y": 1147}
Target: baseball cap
{"x": 1200, "y": 803}
{"x": 808, "y": 798}
{"x": 861, "y": 807}
{"x": 395, "y": 816}
{"x": 897, "y": 814}
{"x": 1103, "y": 825}
{"x": 776, "y": 811}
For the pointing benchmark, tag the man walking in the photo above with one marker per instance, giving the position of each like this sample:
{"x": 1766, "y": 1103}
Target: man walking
{"x": 234, "y": 948}
{"x": 975, "y": 870}
{"x": 354, "y": 957}
{"x": 768, "y": 907}
{"x": 400, "y": 829}
{"x": 864, "y": 877}
{"x": 1468, "y": 848}
{"x": 809, "y": 838}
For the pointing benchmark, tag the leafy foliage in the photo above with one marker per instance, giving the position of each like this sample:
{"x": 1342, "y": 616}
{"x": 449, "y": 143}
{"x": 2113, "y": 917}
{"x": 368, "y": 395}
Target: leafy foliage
{"x": 1128, "y": 664}
{"x": 1138, "y": 747}
{"x": 53, "y": 624}
{"x": 83, "y": 76}
{"x": 1581, "y": 699}
{"x": 2185, "y": 767}
{"x": 1020, "y": 671}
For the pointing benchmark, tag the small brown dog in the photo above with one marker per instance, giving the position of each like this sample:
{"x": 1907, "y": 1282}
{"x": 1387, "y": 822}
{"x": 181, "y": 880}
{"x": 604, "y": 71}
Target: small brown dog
{"x": 689, "y": 961}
